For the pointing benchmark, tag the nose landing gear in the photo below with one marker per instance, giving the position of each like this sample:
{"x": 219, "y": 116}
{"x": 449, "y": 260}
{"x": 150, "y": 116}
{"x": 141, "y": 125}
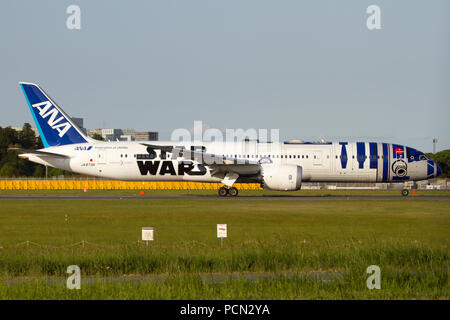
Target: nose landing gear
{"x": 232, "y": 192}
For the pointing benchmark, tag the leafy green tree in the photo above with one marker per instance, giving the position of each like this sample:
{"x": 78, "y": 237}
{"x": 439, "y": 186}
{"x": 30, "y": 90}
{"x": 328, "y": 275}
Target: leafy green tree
{"x": 39, "y": 171}
{"x": 9, "y": 170}
{"x": 8, "y": 137}
{"x": 13, "y": 166}
{"x": 97, "y": 136}
{"x": 442, "y": 159}
{"x": 27, "y": 137}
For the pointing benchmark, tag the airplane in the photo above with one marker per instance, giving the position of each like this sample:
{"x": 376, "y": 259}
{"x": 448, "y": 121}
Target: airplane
{"x": 274, "y": 165}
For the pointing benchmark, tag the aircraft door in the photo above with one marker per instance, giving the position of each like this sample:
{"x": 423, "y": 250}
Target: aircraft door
{"x": 317, "y": 158}
{"x": 102, "y": 158}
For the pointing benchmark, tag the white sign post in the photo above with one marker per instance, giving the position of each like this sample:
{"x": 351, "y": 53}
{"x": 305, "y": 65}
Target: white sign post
{"x": 147, "y": 234}
{"x": 221, "y": 232}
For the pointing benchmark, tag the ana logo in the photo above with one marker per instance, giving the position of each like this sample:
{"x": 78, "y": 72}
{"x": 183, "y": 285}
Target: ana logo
{"x": 87, "y": 148}
{"x": 398, "y": 150}
{"x": 45, "y": 110}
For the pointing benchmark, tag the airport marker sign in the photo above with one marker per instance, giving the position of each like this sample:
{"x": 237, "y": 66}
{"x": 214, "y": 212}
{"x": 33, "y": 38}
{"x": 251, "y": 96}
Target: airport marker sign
{"x": 221, "y": 232}
{"x": 147, "y": 234}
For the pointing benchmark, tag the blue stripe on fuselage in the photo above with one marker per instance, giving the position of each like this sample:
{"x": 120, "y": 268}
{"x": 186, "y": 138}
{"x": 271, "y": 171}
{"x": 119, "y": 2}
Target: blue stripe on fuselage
{"x": 343, "y": 155}
{"x": 430, "y": 168}
{"x": 400, "y": 178}
{"x": 373, "y": 155}
{"x": 385, "y": 162}
{"x": 361, "y": 153}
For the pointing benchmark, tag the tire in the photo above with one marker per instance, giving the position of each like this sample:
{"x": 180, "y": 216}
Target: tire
{"x": 405, "y": 192}
{"x": 223, "y": 192}
{"x": 233, "y": 192}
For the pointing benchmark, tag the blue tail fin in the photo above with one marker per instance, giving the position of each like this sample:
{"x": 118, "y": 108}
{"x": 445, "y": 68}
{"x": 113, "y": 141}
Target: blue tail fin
{"x": 54, "y": 125}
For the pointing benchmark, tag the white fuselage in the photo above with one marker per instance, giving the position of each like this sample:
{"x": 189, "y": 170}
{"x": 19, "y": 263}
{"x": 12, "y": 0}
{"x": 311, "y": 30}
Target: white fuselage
{"x": 320, "y": 162}
{"x": 277, "y": 166}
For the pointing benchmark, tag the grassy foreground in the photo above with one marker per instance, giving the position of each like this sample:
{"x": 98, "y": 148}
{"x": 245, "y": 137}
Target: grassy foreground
{"x": 275, "y": 249}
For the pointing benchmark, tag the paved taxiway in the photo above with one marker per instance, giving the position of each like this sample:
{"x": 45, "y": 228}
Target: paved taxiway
{"x": 211, "y": 197}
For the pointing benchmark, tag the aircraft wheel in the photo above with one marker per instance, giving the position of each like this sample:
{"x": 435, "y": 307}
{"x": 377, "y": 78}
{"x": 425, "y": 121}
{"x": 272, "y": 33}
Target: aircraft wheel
{"x": 233, "y": 192}
{"x": 405, "y": 192}
{"x": 223, "y": 192}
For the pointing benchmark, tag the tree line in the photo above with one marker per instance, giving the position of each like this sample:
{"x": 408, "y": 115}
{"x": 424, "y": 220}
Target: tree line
{"x": 13, "y": 166}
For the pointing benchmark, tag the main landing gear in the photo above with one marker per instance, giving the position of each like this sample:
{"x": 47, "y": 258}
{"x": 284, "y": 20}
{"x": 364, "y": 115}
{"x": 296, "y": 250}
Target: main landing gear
{"x": 405, "y": 192}
{"x": 232, "y": 192}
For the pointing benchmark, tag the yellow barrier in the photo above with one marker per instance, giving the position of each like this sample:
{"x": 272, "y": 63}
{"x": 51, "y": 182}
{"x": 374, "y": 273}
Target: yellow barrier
{"x": 115, "y": 185}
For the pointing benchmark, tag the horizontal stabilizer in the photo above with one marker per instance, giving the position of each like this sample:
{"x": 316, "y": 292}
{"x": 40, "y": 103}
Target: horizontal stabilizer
{"x": 39, "y": 153}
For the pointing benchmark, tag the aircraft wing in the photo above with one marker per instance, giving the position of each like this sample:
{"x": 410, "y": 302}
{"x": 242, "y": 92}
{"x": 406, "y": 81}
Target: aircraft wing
{"x": 204, "y": 157}
{"x": 226, "y": 168}
{"x": 39, "y": 153}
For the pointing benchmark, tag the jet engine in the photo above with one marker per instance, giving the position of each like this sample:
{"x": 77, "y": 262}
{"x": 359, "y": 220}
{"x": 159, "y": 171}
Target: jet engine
{"x": 286, "y": 177}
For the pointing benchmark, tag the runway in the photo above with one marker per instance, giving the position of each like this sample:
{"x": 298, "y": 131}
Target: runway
{"x": 212, "y": 197}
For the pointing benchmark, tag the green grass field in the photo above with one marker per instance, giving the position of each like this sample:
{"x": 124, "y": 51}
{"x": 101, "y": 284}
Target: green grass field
{"x": 275, "y": 249}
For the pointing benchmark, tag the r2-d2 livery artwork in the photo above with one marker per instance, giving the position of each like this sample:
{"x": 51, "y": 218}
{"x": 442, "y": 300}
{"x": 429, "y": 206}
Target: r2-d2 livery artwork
{"x": 389, "y": 162}
{"x": 280, "y": 166}
{"x": 385, "y": 162}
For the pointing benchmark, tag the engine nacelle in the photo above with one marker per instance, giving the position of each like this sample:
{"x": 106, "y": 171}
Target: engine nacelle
{"x": 287, "y": 177}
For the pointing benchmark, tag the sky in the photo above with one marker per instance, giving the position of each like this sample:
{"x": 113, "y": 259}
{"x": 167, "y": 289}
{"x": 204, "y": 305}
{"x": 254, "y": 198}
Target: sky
{"x": 311, "y": 69}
